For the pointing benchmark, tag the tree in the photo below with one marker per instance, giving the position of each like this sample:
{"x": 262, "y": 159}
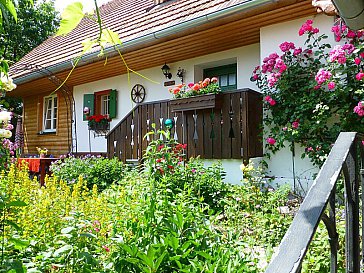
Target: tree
{"x": 35, "y": 24}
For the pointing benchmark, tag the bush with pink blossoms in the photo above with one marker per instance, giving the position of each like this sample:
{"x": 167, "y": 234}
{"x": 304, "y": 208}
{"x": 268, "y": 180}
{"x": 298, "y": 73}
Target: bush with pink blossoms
{"x": 313, "y": 93}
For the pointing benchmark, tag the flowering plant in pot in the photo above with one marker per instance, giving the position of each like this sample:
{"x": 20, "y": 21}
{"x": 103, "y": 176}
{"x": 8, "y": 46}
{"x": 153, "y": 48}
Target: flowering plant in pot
{"x": 98, "y": 121}
{"x": 207, "y": 86}
{"x": 313, "y": 93}
{"x": 42, "y": 152}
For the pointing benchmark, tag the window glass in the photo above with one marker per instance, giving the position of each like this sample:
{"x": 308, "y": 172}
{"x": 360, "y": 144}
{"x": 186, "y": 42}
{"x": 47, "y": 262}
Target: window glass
{"x": 50, "y": 114}
{"x": 232, "y": 79}
{"x": 105, "y": 103}
{"x": 223, "y": 79}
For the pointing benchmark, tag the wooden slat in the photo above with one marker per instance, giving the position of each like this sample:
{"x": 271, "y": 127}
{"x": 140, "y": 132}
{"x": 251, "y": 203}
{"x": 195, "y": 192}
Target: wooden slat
{"x": 225, "y": 140}
{"x": 245, "y": 120}
{"x": 236, "y": 141}
{"x": 208, "y": 142}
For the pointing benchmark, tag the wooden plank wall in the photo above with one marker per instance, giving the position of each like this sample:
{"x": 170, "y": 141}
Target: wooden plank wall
{"x": 56, "y": 143}
{"x": 233, "y": 132}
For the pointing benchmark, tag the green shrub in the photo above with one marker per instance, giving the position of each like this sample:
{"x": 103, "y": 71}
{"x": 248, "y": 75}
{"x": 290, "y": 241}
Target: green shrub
{"x": 95, "y": 170}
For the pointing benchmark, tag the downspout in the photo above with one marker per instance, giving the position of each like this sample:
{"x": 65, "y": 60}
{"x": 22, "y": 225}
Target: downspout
{"x": 151, "y": 37}
{"x": 352, "y": 11}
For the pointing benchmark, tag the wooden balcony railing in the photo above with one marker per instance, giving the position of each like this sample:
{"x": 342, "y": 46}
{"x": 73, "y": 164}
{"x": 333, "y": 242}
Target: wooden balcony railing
{"x": 234, "y": 131}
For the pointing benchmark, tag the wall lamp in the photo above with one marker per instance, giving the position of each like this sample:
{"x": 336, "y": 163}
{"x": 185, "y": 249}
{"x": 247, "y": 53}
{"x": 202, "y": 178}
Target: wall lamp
{"x": 352, "y": 11}
{"x": 181, "y": 73}
{"x": 166, "y": 71}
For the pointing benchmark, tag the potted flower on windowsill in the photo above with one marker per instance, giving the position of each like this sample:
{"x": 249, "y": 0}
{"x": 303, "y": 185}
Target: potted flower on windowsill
{"x": 99, "y": 122}
{"x": 42, "y": 152}
{"x": 202, "y": 95}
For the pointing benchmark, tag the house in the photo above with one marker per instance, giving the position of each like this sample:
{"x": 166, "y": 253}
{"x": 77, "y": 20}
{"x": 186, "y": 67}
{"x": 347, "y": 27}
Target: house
{"x": 194, "y": 39}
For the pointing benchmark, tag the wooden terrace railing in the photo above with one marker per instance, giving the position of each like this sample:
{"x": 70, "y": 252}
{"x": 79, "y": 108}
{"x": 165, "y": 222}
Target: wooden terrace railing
{"x": 345, "y": 157}
{"x": 232, "y": 132}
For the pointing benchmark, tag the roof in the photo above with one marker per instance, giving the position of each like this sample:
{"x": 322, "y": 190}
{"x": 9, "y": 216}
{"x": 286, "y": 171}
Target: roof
{"x": 131, "y": 19}
{"x": 151, "y": 35}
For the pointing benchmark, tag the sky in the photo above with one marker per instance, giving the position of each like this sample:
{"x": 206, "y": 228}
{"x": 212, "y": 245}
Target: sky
{"x": 88, "y": 5}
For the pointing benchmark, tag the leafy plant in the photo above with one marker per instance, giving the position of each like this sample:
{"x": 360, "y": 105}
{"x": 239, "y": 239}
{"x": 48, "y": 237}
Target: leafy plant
{"x": 95, "y": 170}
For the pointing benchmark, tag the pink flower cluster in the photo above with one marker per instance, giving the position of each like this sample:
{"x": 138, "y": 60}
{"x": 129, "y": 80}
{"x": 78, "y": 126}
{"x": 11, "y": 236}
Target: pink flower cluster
{"x": 271, "y": 101}
{"x": 286, "y": 46}
{"x": 322, "y": 76}
{"x": 274, "y": 65}
{"x": 340, "y": 52}
{"x": 359, "y": 109}
{"x": 342, "y": 31}
{"x": 307, "y": 28}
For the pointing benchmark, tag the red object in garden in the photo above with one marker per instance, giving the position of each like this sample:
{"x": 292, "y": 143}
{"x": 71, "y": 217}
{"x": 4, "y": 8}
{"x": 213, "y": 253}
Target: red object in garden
{"x": 38, "y": 165}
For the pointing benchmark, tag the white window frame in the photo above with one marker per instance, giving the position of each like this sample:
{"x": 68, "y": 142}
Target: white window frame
{"x": 105, "y": 104}
{"x": 53, "y": 113}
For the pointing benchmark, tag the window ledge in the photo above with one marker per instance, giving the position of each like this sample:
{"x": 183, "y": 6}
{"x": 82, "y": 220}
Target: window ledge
{"x": 40, "y": 133}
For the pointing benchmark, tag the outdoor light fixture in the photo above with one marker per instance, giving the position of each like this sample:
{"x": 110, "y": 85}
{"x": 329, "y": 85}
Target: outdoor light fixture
{"x": 166, "y": 69}
{"x": 180, "y": 73}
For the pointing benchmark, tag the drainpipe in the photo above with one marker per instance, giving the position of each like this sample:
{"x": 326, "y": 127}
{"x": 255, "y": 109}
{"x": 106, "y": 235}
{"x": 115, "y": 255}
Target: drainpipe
{"x": 352, "y": 12}
{"x": 65, "y": 65}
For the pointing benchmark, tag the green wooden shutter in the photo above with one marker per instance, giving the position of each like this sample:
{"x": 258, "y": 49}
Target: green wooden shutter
{"x": 88, "y": 101}
{"x": 113, "y": 104}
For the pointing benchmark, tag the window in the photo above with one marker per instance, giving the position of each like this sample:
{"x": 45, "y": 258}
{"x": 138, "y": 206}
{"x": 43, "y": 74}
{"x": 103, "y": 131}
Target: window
{"x": 101, "y": 103}
{"x": 50, "y": 113}
{"x": 226, "y": 75}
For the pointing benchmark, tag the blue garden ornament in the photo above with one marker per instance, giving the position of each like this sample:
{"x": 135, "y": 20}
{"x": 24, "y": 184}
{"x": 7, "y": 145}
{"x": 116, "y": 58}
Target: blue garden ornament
{"x": 169, "y": 123}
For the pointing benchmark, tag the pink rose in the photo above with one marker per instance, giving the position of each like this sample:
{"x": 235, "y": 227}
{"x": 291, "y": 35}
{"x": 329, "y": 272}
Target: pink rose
{"x": 359, "y": 76}
{"x": 272, "y": 102}
{"x": 295, "y": 124}
{"x": 357, "y": 61}
{"x": 271, "y": 141}
{"x": 331, "y": 85}
{"x": 191, "y": 84}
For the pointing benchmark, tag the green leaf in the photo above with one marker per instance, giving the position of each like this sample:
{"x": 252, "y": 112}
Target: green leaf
{"x": 205, "y": 255}
{"x": 65, "y": 248}
{"x": 71, "y": 17}
{"x": 8, "y": 4}
{"x": 87, "y": 45}
{"x": 19, "y": 244}
{"x": 67, "y": 230}
{"x": 110, "y": 37}
{"x": 17, "y": 203}
{"x": 14, "y": 225}
{"x": 88, "y": 235}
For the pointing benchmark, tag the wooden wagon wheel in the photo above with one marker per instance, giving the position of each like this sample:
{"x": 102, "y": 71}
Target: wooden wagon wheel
{"x": 138, "y": 93}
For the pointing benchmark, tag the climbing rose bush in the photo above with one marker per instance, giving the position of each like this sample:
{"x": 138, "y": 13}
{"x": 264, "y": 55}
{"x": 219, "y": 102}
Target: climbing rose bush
{"x": 313, "y": 92}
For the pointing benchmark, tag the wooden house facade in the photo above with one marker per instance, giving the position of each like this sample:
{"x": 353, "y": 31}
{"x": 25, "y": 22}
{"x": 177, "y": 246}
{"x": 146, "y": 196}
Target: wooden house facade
{"x": 195, "y": 37}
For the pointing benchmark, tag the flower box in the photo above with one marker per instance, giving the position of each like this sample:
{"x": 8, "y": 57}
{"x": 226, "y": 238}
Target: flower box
{"x": 100, "y": 129}
{"x": 196, "y": 103}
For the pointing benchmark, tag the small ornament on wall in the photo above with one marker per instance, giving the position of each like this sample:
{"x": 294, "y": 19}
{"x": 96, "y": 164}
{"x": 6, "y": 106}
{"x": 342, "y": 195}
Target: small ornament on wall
{"x": 138, "y": 93}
